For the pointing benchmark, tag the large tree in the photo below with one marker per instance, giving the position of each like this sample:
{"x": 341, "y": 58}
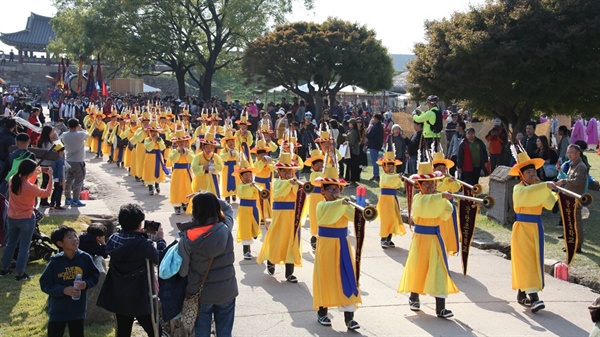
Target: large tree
{"x": 511, "y": 58}
{"x": 326, "y": 56}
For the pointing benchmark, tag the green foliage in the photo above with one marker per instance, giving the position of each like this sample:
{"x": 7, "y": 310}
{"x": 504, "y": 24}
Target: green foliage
{"x": 512, "y": 57}
{"x": 331, "y": 55}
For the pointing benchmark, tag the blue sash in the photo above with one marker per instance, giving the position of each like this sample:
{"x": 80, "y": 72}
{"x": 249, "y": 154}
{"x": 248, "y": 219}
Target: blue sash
{"x": 158, "y": 163}
{"x": 183, "y": 166}
{"x": 246, "y": 150}
{"x": 230, "y": 179}
{"x": 317, "y": 190}
{"x": 283, "y": 205}
{"x": 216, "y": 182}
{"x": 433, "y": 230}
{"x": 251, "y": 203}
{"x": 388, "y": 191}
{"x": 346, "y": 270}
{"x": 537, "y": 219}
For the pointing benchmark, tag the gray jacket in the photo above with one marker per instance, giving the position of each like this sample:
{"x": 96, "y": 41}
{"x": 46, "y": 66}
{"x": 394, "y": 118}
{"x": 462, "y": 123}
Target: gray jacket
{"x": 216, "y": 242}
{"x": 577, "y": 177}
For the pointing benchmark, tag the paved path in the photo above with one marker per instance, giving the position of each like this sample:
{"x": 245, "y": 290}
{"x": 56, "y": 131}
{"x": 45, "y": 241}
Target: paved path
{"x": 269, "y": 306}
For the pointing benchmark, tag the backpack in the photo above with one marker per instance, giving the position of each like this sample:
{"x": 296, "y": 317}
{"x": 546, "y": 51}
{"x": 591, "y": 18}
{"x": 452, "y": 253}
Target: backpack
{"x": 438, "y": 126}
{"x": 15, "y": 164}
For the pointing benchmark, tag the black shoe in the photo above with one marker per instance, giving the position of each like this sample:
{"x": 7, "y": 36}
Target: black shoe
{"x": 414, "y": 305}
{"x": 270, "y": 269}
{"x": 352, "y": 325}
{"x": 537, "y": 306}
{"x": 247, "y": 256}
{"x": 384, "y": 244}
{"x": 137, "y": 179}
{"x": 177, "y": 210}
{"x": 324, "y": 320}
{"x": 5, "y": 272}
{"x": 445, "y": 313}
{"x": 151, "y": 189}
{"x": 391, "y": 244}
{"x": 233, "y": 198}
{"x": 292, "y": 279}
{"x": 23, "y": 277}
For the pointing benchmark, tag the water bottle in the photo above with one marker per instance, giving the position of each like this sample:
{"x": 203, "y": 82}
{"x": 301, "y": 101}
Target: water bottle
{"x": 77, "y": 295}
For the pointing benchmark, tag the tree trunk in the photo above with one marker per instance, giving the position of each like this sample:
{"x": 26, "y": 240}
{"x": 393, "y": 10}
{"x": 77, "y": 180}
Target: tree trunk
{"x": 206, "y": 88}
{"x": 318, "y": 106}
{"x": 180, "y": 75}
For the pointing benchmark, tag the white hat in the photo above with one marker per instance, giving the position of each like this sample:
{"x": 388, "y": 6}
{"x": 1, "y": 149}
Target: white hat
{"x": 308, "y": 114}
{"x": 497, "y": 122}
{"x": 281, "y": 112}
{"x": 258, "y": 101}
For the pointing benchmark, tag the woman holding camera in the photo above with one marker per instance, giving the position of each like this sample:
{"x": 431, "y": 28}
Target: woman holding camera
{"x": 125, "y": 290}
{"x": 207, "y": 247}
{"x": 21, "y": 220}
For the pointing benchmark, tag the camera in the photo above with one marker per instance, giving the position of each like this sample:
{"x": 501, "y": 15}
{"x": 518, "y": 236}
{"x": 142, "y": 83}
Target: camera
{"x": 151, "y": 227}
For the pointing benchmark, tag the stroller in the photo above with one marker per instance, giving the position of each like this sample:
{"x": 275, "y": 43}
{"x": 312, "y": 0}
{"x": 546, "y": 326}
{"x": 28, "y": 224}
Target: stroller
{"x": 41, "y": 246}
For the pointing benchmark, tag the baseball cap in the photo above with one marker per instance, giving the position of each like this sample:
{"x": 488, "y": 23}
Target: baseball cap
{"x": 497, "y": 122}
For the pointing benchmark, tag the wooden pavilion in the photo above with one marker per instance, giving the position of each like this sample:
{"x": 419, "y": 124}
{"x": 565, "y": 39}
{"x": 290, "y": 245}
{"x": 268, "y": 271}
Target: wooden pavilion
{"x": 35, "y": 38}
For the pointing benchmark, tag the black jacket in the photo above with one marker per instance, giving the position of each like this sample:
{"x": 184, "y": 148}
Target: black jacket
{"x": 125, "y": 289}
{"x": 375, "y": 137}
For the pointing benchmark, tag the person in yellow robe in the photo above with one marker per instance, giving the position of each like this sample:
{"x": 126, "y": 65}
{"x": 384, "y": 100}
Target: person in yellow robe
{"x": 449, "y": 229}
{"x": 96, "y": 131}
{"x": 138, "y": 141}
{"x": 527, "y": 240}
{"x": 206, "y": 167}
{"x": 244, "y": 138}
{"x": 315, "y": 161}
{"x": 326, "y": 144}
{"x": 334, "y": 275}
{"x": 266, "y": 134}
{"x": 426, "y": 269}
{"x": 388, "y": 207}
{"x": 166, "y": 134}
{"x": 118, "y": 147}
{"x": 132, "y": 127}
{"x": 201, "y": 129}
{"x": 154, "y": 171}
{"x": 264, "y": 176}
{"x": 230, "y": 157}
{"x": 186, "y": 121}
{"x": 181, "y": 156}
{"x": 291, "y": 145}
{"x": 87, "y": 123}
{"x": 248, "y": 214}
{"x": 107, "y": 141}
{"x": 282, "y": 243}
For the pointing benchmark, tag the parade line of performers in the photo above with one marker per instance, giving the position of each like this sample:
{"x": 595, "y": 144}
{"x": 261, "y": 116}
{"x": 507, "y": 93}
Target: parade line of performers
{"x": 237, "y": 166}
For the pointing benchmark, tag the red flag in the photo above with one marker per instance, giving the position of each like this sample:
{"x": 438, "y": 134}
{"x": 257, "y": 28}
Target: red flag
{"x": 79, "y": 75}
{"x": 100, "y": 80}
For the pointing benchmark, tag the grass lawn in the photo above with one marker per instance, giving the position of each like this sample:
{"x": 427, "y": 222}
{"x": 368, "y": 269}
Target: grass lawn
{"x": 22, "y": 304}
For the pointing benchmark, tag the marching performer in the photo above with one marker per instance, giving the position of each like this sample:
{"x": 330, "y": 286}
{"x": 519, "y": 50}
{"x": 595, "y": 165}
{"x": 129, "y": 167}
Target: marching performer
{"x": 388, "y": 207}
{"x": 244, "y": 137}
{"x": 137, "y": 140}
{"x": 206, "y": 167}
{"x": 326, "y": 143}
{"x": 201, "y": 129}
{"x": 154, "y": 171}
{"x": 107, "y": 141}
{"x": 426, "y": 269}
{"x": 166, "y": 133}
{"x": 230, "y": 157}
{"x": 290, "y": 144}
{"x": 186, "y": 119}
{"x": 264, "y": 175}
{"x": 282, "y": 242}
{"x": 266, "y": 133}
{"x": 334, "y": 277}
{"x": 249, "y": 215}
{"x": 449, "y": 228}
{"x": 130, "y": 129}
{"x": 118, "y": 143}
{"x": 181, "y": 180}
{"x": 96, "y": 131}
{"x": 527, "y": 241}
{"x": 315, "y": 161}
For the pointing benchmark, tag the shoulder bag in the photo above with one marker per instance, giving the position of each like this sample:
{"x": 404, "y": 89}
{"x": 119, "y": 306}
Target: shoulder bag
{"x": 189, "y": 311}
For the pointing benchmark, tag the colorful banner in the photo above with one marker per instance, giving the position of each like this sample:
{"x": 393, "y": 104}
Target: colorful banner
{"x": 359, "y": 233}
{"x": 569, "y": 206}
{"x": 300, "y": 198}
{"x": 467, "y": 214}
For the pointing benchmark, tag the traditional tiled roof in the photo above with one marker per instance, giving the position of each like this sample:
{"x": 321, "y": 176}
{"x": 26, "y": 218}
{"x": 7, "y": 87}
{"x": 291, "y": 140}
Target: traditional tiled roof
{"x": 36, "y": 35}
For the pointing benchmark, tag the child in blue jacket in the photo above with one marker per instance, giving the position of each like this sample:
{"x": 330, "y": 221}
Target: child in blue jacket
{"x": 57, "y": 280}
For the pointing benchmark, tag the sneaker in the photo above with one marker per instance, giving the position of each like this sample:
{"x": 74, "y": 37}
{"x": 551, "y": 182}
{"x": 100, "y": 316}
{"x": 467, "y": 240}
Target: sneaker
{"x": 157, "y": 187}
{"x": 68, "y": 202}
{"x": 313, "y": 245}
{"x": 137, "y": 179}
{"x": 391, "y": 244}
{"x": 537, "y": 306}
{"x": 4, "y": 272}
{"x": 23, "y": 277}
{"x": 292, "y": 279}
{"x": 271, "y": 270}
{"x": 247, "y": 256}
{"x": 77, "y": 203}
{"x": 414, "y": 305}
{"x": 177, "y": 210}
{"x": 523, "y": 300}
{"x": 445, "y": 313}
{"x": 352, "y": 325}
{"x": 324, "y": 320}
{"x": 151, "y": 189}
{"x": 384, "y": 244}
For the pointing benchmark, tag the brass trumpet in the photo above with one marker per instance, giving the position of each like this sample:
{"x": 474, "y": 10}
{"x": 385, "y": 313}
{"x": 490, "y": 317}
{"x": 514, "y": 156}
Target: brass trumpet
{"x": 585, "y": 199}
{"x": 306, "y": 186}
{"x": 369, "y": 212}
{"x": 477, "y": 189}
{"x": 264, "y": 193}
{"x": 487, "y": 202}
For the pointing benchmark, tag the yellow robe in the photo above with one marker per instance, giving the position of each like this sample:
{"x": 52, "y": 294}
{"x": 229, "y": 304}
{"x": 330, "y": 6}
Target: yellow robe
{"x": 181, "y": 178}
{"x": 264, "y": 179}
{"x": 86, "y": 125}
{"x": 95, "y": 144}
{"x": 204, "y": 181}
{"x": 527, "y": 257}
{"x": 248, "y": 214}
{"x": 107, "y": 140}
{"x": 119, "y": 153}
{"x": 166, "y": 134}
{"x": 281, "y": 244}
{"x": 243, "y": 143}
{"x": 327, "y": 276}
{"x": 313, "y": 199}
{"x": 140, "y": 152}
{"x": 153, "y": 160}
{"x": 426, "y": 271}
{"x": 388, "y": 207}
{"x": 130, "y": 154}
{"x": 229, "y": 164}
{"x": 450, "y": 233}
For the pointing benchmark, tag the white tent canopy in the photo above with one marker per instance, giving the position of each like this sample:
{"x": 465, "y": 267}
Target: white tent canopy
{"x": 347, "y": 90}
{"x": 149, "y": 88}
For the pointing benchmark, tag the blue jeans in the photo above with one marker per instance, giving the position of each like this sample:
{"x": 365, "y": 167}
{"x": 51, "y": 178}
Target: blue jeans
{"x": 374, "y": 154}
{"x": 19, "y": 233}
{"x": 223, "y": 313}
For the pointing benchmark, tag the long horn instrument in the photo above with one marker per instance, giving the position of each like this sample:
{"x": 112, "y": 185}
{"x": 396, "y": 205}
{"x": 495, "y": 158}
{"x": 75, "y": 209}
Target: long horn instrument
{"x": 264, "y": 193}
{"x": 369, "y": 212}
{"x": 585, "y": 199}
{"x": 487, "y": 202}
{"x": 477, "y": 189}
{"x": 306, "y": 186}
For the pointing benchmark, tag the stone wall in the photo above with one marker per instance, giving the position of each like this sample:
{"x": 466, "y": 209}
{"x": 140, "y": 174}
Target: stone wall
{"x": 168, "y": 85}
{"x": 27, "y": 75}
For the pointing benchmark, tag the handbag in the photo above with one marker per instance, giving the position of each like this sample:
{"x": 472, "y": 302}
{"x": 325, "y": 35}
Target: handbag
{"x": 189, "y": 310}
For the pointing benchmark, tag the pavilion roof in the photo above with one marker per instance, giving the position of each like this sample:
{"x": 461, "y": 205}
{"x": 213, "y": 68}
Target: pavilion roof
{"x": 36, "y": 36}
